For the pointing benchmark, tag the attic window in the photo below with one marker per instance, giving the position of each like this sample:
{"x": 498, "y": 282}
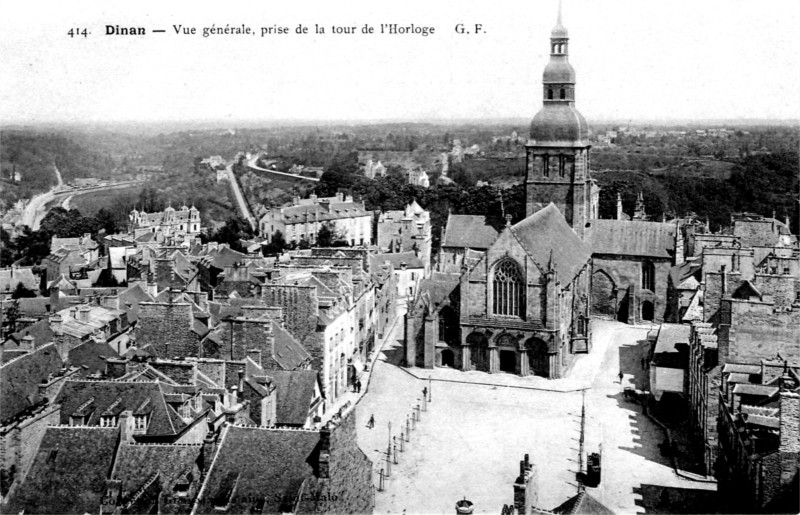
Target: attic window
{"x": 181, "y": 488}
{"x": 140, "y": 422}
{"x": 76, "y": 421}
{"x": 108, "y": 421}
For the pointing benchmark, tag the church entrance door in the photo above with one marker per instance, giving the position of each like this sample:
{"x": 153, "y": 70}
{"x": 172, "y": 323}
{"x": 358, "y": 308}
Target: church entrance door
{"x": 622, "y": 309}
{"x": 448, "y": 360}
{"x": 508, "y": 361}
{"x": 647, "y": 310}
{"x": 537, "y": 357}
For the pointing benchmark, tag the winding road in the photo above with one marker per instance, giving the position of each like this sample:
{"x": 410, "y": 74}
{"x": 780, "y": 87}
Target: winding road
{"x": 37, "y": 208}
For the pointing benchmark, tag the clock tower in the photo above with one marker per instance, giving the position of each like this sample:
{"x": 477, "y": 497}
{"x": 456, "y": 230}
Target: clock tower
{"x": 557, "y": 153}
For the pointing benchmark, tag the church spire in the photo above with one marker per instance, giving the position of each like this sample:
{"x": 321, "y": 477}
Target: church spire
{"x": 559, "y": 77}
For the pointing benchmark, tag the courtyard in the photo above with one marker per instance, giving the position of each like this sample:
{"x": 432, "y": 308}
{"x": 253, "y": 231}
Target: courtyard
{"x": 471, "y": 437}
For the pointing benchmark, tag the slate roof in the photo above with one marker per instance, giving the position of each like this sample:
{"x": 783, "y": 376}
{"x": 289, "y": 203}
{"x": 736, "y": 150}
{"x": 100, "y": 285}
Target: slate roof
{"x": 741, "y": 368}
{"x": 396, "y": 259}
{"x": 223, "y": 257}
{"x": 287, "y": 351}
{"x": 436, "y": 289}
{"x": 682, "y": 276}
{"x": 69, "y": 471}
{"x": 545, "y": 235}
{"x": 136, "y": 464}
{"x": 35, "y": 306}
{"x": 40, "y": 331}
{"x": 632, "y": 238}
{"x": 20, "y": 378}
{"x": 755, "y": 389}
{"x": 130, "y": 299}
{"x": 263, "y": 466}
{"x": 468, "y": 231}
{"x": 91, "y": 356}
{"x": 296, "y": 391}
{"x": 664, "y": 353}
{"x": 75, "y": 394}
{"x": 99, "y": 317}
{"x": 323, "y": 211}
{"x": 582, "y": 504}
{"x": 11, "y": 277}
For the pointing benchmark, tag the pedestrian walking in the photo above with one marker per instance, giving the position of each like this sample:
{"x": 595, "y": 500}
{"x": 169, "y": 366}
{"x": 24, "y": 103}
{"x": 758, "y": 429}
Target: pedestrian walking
{"x": 358, "y": 386}
{"x": 371, "y": 422}
{"x": 620, "y": 376}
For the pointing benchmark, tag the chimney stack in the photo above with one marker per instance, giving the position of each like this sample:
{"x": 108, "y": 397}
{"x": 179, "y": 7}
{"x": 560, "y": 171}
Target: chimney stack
{"x": 83, "y": 313}
{"x": 724, "y": 280}
{"x": 789, "y": 434}
{"x": 209, "y": 449}
{"x": 619, "y": 206}
{"x": 55, "y": 324}
{"x": 126, "y": 426}
{"x": 325, "y": 451}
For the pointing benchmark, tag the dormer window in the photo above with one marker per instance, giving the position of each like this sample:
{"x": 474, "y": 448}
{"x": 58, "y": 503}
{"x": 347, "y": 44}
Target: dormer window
{"x": 140, "y": 422}
{"x": 181, "y": 488}
{"x": 77, "y": 421}
{"x": 108, "y": 421}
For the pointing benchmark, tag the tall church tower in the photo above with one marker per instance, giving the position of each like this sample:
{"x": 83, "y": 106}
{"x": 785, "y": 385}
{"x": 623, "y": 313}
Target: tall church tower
{"x": 557, "y": 167}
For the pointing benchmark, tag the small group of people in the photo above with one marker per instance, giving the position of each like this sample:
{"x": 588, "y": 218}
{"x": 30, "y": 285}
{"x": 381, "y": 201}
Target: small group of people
{"x": 357, "y": 386}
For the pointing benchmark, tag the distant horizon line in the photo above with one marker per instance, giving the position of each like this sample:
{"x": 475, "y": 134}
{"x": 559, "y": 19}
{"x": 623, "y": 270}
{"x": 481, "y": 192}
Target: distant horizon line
{"x": 211, "y": 124}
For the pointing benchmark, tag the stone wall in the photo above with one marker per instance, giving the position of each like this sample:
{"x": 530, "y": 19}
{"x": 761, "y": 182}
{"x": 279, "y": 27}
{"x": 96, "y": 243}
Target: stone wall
{"x": 181, "y": 373}
{"x": 20, "y": 440}
{"x": 759, "y": 331}
{"x": 790, "y": 437}
{"x": 168, "y": 328}
{"x": 782, "y": 288}
{"x": 626, "y": 273}
{"x": 754, "y": 233}
{"x": 349, "y": 486}
{"x": 240, "y": 335}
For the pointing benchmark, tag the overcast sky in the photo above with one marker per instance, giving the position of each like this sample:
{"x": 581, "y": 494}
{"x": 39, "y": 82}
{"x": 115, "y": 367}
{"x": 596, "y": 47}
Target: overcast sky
{"x": 634, "y": 59}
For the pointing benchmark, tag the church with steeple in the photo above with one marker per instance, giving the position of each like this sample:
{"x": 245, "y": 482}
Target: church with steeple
{"x": 557, "y": 154}
{"x": 519, "y": 300}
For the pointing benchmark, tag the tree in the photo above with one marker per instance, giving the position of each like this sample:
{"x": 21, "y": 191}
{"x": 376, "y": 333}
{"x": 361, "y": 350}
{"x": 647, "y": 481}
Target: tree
{"x": 22, "y": 292}
{"x": 325, "y": 235}
{"x": 235, "y": 229}
{"x": 11, "y": 316}
{"x": 107, "y": 220}
{"x": 276, "y": 246}
{"x": 68, "y": 224}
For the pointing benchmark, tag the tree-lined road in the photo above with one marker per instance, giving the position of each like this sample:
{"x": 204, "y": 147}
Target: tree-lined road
{"x": 244, "y": 209}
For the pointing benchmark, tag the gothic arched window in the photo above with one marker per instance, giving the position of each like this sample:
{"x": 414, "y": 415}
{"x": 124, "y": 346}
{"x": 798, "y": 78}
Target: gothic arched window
{"x": 508, "y": 289}
{"x": 563, "y": 94}
{"x": 648, "y": 276}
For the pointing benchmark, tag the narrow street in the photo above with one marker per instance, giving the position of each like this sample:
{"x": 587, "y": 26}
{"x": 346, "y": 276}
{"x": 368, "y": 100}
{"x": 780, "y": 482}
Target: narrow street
{"x": 636, "y": 478}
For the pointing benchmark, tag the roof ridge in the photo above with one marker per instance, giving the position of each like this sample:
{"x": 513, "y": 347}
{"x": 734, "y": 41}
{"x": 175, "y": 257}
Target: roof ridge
{"x": 274, "y": 428}
{"x": 26, "y": 354}
{"x": 67, "y": 426}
